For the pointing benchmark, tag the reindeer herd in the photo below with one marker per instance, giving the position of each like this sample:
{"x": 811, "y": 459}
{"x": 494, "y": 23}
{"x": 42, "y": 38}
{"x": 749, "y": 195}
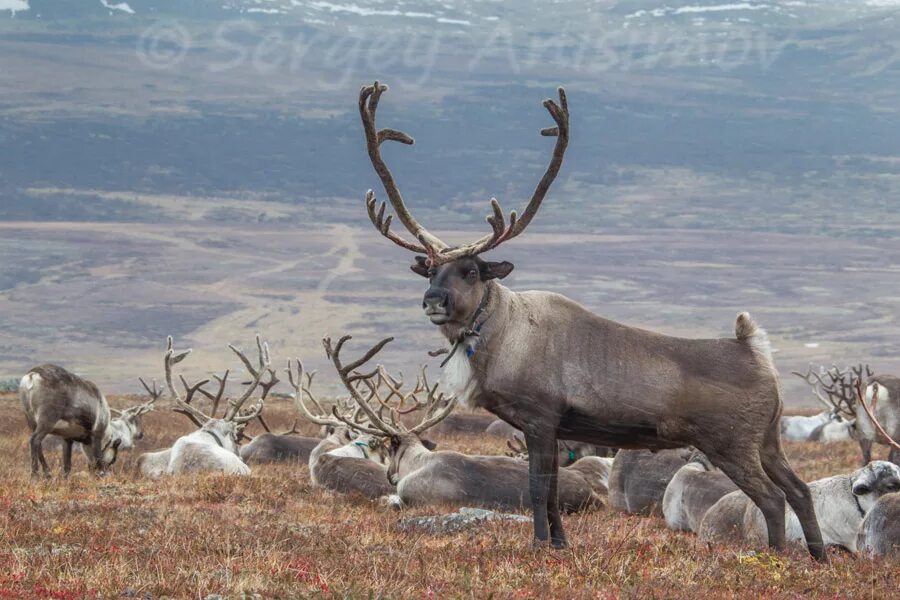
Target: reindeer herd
{"x": 695, "y": 424}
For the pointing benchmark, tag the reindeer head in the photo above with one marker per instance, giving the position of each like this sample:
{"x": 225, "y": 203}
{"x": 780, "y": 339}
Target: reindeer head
{"x": 457, "y": 276}
{"x": 873, "y": 481}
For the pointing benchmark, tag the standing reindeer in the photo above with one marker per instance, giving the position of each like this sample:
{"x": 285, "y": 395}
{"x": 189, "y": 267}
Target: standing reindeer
{"x": 214, "y": 446}
{"x": 551, "y": 368}
{"x": 839, "y": 388}
{"x": 61, "y": 403}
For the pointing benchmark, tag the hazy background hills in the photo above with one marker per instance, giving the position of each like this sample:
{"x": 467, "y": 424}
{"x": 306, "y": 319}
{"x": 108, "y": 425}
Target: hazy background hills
{"x": 197, "y": 168}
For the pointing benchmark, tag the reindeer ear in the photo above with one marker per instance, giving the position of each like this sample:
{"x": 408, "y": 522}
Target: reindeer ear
{"x": 495, "y": 270}
{"x": 421, "y": 266}
{"x": 429, "y": 444}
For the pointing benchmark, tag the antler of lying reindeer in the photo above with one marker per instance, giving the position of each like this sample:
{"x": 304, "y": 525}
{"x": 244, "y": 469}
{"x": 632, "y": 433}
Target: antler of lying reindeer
{"x": 439, "y": 252}
{"x": 233, "y": 412}
{"x": 182, "y": 405}
{"x": 436, "y": 406}
{"x": 340, "y": 414}
{"x": 861, "y": 397}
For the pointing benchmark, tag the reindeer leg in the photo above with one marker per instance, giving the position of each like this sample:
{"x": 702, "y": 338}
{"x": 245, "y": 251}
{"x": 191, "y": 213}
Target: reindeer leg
{"x": 744, "y": 468}
{"x": 97, "y": 451}
{"x": 557, "y": 534}
{"x": 67, "y": 457}
{"x": 37, "y": 452}
{"x": 866, "y": 447}
{"x": 776, "y": 466}
{"x": 541, "y": 454}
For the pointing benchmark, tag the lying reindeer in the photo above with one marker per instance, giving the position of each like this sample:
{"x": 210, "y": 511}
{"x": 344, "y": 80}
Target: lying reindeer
{"x": 423, "y": 476}
{"x": 879, "y": 534}
{"x": 638, "y": 479}
{"x": 594, "y": 469}
{"x": 342, "y": 462}
{"x": 214, "y": 447}
{"x": 694, "y": 488}
{"x": 283, "y": 447}
{"x": 57, "y": 402}
{"x": 841, "y": 502}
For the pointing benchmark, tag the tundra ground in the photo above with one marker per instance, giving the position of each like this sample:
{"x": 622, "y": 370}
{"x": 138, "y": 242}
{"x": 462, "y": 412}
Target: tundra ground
{"x": 272, "y": 535}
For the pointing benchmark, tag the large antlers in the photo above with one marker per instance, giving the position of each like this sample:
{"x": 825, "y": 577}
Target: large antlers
{"x": 837, "y": 393}
{"x": 436, "y": 406}
{"x": 233, "y": 411}
{"x": 439, "y": 252}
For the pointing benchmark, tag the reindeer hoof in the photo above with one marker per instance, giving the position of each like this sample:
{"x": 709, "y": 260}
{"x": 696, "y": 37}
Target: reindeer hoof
{"x": 559, "y": 544}
{"x": 538, "y": 544}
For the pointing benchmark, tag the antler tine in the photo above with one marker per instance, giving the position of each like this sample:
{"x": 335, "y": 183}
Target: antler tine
{"x": 256, "y": 372}
{"x": 245, "y": 416}
{"x": 153, "y": 391}
{"x": 300, "y": 390}
{"x": 185, "y": 407}
{"x": 223, "y": 381}
{"x": 861, "y": 397}
{"x": 182, "y": 406}
{"x": 436, "y": 417}
{"x": 814, "y": 380}
{"x": 368, "y": 105}
{"x": 262, "y": 422}
{"x": 343, "y": 370}
{"x": 517, "y": 224}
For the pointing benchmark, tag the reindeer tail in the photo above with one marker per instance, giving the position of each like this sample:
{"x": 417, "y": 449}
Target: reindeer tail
{"x": 746, "y": 330}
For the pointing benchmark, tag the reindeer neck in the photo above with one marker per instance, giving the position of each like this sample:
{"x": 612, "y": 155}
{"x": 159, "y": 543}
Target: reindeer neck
{"x": 412, "y": 457}
{"x": 483, "y": 323}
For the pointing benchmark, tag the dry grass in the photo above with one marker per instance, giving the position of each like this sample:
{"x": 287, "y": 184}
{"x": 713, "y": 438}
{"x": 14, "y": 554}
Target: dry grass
{"x": 273, "y": 535}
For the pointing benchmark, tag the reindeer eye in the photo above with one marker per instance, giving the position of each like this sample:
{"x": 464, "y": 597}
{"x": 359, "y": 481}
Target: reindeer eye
{"x": 472, "y": 276}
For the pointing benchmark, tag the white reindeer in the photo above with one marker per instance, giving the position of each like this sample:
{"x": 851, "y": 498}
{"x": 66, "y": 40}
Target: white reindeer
{"x": 841, "y": 504}
{"x": 215, "y": 446}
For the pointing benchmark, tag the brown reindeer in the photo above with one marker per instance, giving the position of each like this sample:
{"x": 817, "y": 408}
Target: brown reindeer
{"x": 57, "y": 402}
{"x": 553, "y": 369}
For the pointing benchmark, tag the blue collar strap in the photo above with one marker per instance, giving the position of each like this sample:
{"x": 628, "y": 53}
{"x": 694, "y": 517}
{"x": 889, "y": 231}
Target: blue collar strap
{"x": 572, "y": 455}
{"x": 362, "y": 446}
{"x": 472, "y": 330}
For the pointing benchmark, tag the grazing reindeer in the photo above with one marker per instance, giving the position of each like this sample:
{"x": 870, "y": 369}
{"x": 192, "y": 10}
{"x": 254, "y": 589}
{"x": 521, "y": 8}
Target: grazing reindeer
{"x": 694, "y": 488}
{"x": 215, "y": 445}
{"x": 426, "y": 477}
{"x": 842, "y": 502}
{"x": 343, "y": 461}
{"x": 60, "y": 403}
{"x": 551, "y": 368}
{"x": 638, "y": 478}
